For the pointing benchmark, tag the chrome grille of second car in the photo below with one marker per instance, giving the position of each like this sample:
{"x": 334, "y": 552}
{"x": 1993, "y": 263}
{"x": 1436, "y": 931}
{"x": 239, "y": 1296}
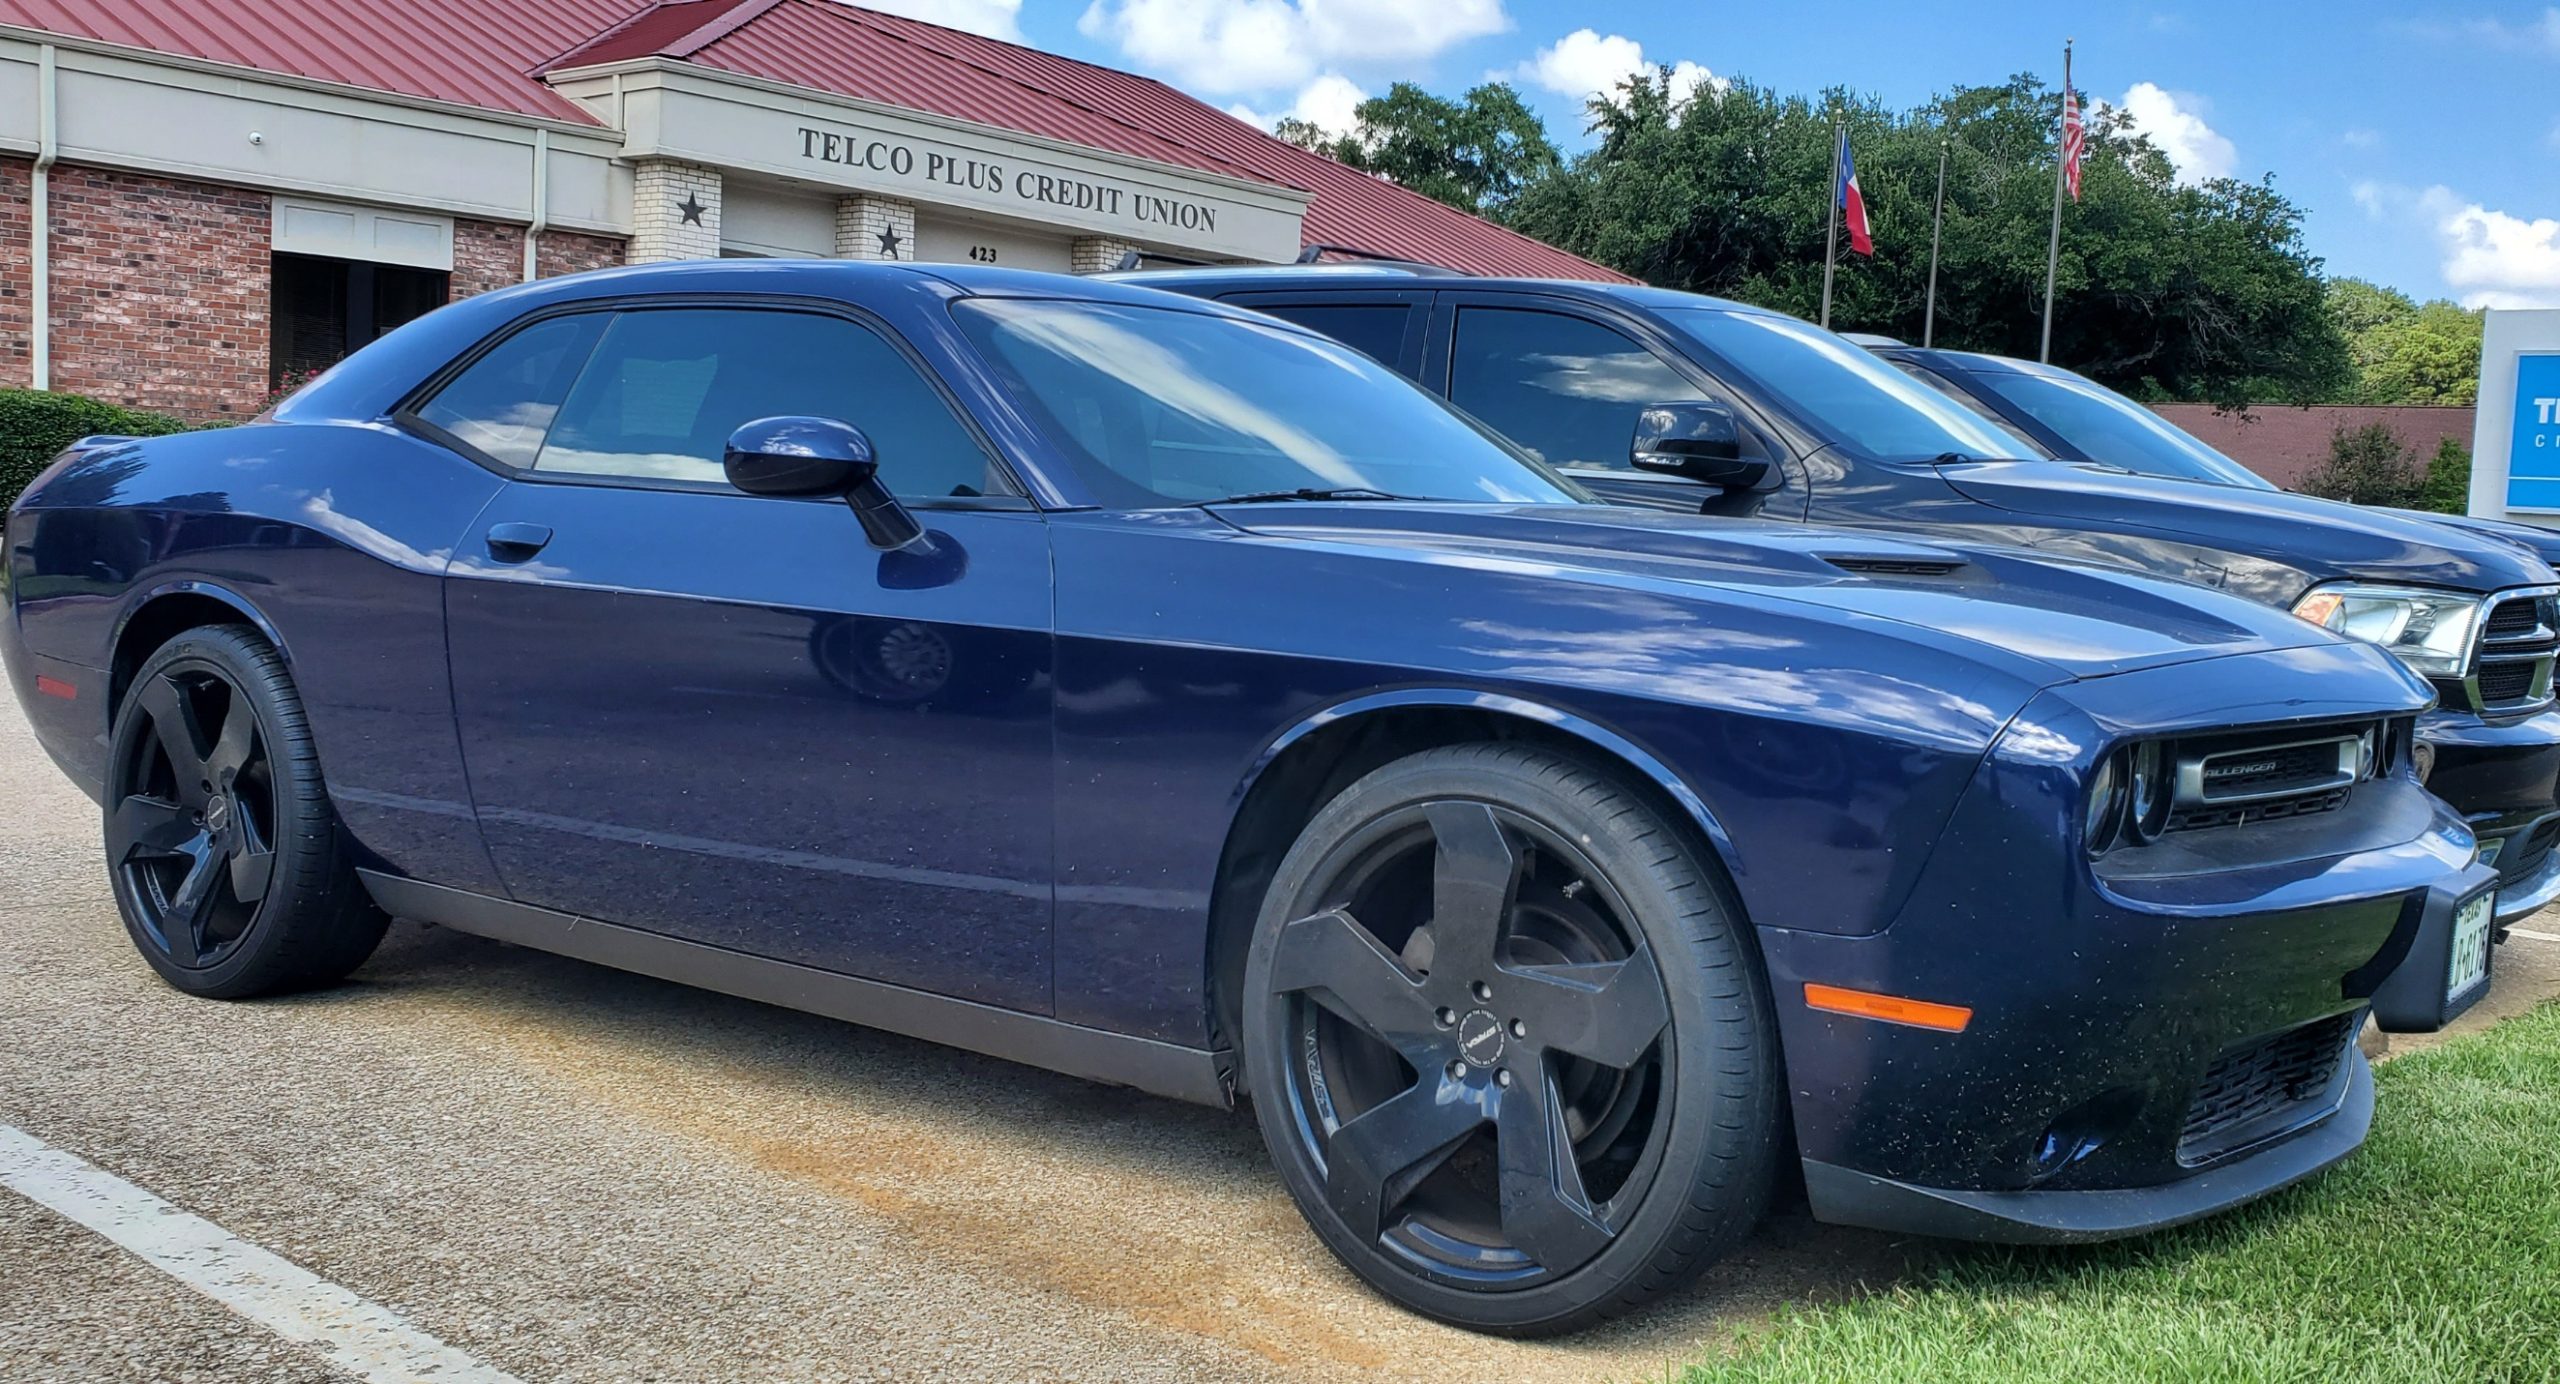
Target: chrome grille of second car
{"x": 2518, "y": 643}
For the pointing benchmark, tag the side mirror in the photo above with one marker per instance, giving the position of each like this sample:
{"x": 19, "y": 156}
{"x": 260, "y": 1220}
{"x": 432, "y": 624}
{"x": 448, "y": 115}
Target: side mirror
{"x": 1698, "y": 442}
{"x": 820, "y": 456}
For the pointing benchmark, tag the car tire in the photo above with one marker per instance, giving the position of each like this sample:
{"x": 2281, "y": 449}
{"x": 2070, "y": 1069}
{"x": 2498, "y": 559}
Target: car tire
{"x": 1554, "y": 967}
{"x": 227, "y": 860}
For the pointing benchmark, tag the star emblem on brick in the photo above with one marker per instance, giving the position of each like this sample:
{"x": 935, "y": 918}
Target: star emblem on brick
{"x": 889, "y": 242}
{"x": 691, "y": 209}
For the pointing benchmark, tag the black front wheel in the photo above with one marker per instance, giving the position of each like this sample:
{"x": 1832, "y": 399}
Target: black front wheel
{"x": 1508, "y": 1042}
{"x": 225, "y": 854}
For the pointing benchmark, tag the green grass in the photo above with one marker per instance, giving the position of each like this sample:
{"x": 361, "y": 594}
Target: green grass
{"x": 2434, "y": 1254}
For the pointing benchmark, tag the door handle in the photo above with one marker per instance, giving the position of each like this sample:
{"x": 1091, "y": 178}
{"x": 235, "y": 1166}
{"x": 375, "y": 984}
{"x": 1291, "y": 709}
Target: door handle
{"x": 515, "y": 541}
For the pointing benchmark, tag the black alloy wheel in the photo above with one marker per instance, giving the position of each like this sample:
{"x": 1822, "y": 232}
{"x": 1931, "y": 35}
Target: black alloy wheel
{"x": 1508, "y": 1050}
{"x": 191, "y": 828}
{"x": 222, "y": 847}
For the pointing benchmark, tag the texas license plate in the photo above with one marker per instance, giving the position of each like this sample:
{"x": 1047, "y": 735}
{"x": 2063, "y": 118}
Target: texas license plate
{"x": 2471, "y": 929}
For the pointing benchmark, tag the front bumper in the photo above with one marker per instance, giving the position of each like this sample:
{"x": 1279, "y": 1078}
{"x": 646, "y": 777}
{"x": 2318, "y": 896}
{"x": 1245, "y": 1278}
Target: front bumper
{"x": 2155, "y": 1035}
{"x": 1845, "y": 1196}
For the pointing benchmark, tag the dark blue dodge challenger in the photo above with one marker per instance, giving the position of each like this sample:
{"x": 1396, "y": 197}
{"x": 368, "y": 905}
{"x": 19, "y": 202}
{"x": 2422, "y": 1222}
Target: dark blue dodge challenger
{"x": 1122, "y": 684}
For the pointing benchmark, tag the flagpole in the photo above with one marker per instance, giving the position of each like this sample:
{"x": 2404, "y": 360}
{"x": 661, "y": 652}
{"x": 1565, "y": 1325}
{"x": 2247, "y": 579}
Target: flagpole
{"x": 2053, "y": 244}
{"x": 1831, "y": 229}
{"x": 1937, "y": 224}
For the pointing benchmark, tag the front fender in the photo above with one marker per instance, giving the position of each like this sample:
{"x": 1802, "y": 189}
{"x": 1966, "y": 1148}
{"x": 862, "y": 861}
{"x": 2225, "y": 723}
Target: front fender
{"x": 1600, "y": 737}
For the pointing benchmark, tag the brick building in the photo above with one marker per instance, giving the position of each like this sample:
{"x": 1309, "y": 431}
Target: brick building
{"x": 2286, "y": 444}
{"x": 202, "y": 198}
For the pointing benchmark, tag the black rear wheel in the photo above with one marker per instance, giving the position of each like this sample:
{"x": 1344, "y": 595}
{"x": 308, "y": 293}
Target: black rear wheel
{"x": 221, "y": 845}
{"x": 1506, "y": 1044}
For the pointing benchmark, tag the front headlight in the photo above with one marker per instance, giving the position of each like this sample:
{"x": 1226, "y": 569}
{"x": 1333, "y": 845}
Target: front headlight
{"x": 2431, "y": 631}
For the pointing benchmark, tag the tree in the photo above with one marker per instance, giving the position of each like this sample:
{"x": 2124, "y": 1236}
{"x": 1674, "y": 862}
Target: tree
{"x": 2164, "y": 290}
{"x": 2406, "y": 352}
{"x": 2368, "y": 466}
{"x": 2448, "y": 488}
{"x": 1474, "y": 153}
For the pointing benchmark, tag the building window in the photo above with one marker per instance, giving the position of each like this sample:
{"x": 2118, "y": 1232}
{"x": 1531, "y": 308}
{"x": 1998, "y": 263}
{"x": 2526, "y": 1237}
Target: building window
{"x": 327, "y": 309}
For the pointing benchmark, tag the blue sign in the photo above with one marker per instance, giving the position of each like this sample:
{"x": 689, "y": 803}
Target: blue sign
{"x": 2533, "y": 448}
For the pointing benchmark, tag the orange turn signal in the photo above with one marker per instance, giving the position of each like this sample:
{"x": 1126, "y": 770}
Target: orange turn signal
{"x": 1892, "y": 1009}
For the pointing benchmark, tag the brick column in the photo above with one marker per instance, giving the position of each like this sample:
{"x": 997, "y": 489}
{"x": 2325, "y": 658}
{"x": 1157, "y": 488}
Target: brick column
{"x": 675, "y": 211}
{"x": 875, "y": 228}
{"x": 1098, "y": 254}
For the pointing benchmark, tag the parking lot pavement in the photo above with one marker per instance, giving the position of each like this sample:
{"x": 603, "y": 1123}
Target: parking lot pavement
{"x": 563, "y": 1172}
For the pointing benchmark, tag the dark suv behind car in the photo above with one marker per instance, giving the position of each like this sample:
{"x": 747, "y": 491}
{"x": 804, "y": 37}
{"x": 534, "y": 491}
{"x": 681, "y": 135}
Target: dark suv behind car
{"x": 2071, "y": 417}
{"x": 1667, "y": 399}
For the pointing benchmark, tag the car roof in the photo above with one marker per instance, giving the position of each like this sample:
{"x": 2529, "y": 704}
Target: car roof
{"x": 1979, "y": 361}
{"x": 365, "y": 384}
{"x": 1287, "y": 277}
{"x": 833, "y": 278}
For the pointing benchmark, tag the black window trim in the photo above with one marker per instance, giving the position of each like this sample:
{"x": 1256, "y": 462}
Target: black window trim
{"x": 405, "y": 416}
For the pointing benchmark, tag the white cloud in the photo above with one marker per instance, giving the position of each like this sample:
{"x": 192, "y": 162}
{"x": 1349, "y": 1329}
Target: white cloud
{"x": 2175, "y": 122}
{"x": 1584, "y": 64}
{"x": 1331, "y": 103}
{"x": 2361, "y": 138}
{"x": 1227, "y": 46}
{"x": 2532, "y": 35}
{"x": 2494, "y": 259}
{"x": 2490, "y": 259}
{"x": 994, "y": 18}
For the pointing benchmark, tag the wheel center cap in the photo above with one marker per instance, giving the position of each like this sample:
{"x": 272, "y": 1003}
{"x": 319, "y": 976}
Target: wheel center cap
{"x": 217, "y": 813}
{"x": 1480, "y": 1038}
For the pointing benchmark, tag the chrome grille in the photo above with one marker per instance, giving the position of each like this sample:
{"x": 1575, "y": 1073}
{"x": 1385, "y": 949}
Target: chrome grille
{"x": 2518, "y": 643}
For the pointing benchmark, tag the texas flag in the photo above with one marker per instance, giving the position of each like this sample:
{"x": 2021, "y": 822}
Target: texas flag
{"x": 1853, "y": 203}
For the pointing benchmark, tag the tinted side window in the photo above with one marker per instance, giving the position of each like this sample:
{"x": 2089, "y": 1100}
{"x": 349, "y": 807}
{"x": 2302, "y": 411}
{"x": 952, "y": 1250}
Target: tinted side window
{"x": 505, "y": 402}
{"x": 1374, "y": 330}
{"x": 1566, "y": 388}
{"x": 666, "y": 386}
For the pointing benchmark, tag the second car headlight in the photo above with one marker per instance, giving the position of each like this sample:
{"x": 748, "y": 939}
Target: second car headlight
{"x": 2431, "y": 631}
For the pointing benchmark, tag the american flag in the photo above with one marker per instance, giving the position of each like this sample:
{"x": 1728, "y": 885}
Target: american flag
{"x": 2075, "y": 139}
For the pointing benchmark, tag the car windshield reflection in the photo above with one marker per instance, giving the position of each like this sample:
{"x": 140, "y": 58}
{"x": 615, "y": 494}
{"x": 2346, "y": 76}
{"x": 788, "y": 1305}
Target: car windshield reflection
{"x": 1157, "y": 407}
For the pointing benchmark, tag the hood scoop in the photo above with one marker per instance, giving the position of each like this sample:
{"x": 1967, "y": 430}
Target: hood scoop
{"x": 1903, "y": 565}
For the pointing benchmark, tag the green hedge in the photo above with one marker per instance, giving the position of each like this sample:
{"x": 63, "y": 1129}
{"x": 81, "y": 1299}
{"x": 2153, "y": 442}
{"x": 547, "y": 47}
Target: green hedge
{"x": 35, "y": 427}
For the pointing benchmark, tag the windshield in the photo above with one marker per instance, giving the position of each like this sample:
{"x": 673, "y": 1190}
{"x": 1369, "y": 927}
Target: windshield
{"x": 1160, "y": 406}
{"x": 2113, "y": 430}
{"x": 1844, "y": 390}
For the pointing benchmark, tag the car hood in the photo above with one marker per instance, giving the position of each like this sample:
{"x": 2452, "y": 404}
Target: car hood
{"x": 2544, "y": 543}
{"x": 2040, "y": 618}
{"x": 2324, "y": 539}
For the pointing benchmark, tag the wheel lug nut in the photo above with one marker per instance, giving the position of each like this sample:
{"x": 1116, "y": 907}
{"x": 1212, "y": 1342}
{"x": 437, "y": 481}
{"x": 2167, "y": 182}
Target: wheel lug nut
{"x": 1448, "y": 1018}
{"x": 1457, "y": 1069}
{"x": 1483, "y": 991}
{"x": 1503, "y": 1077}
{"x": 1519, "y": 1029}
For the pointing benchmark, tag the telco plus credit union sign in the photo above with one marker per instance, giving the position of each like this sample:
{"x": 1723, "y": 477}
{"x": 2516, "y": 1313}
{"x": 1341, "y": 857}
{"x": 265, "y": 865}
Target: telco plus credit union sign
{"x": 1033, "y": 189}
{"x": 2533, "y": 447}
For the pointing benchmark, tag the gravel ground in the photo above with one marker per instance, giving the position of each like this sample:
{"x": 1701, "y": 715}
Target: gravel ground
{"x": 576, "y": 1174}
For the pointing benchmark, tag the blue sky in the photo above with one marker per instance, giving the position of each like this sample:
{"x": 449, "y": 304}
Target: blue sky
{"x": 2422, "y": 138}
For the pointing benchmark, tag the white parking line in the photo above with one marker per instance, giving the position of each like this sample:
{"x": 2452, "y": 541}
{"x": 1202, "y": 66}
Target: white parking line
{"x": 2531, "y": 936}
{"x": 356, "y": 1336}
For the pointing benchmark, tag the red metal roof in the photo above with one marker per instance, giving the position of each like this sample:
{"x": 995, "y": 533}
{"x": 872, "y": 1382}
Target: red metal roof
{"x": 906, "y": 62}
{"x": 488, "y": 53}
{"x": 476, "y": 52}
